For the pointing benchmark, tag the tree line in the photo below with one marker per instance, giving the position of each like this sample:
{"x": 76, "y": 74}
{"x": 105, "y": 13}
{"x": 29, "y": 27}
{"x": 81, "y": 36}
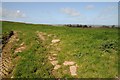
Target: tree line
{"x": 88, "y": 26}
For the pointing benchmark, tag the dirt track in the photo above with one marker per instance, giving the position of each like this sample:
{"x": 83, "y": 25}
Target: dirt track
{"x": 6, "y": 60}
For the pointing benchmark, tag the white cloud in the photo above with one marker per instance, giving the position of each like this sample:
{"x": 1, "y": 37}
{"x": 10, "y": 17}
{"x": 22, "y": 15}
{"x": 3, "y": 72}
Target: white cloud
{"x": 18, "y": 11}
{"x": 89, "y": 7}
{"x": 70, "y": 11}
{"x": 12, "y": 13}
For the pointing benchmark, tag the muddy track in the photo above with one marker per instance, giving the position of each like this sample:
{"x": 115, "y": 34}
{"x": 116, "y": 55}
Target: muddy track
{"x": 5, "y": 38}
{"x": 6, "y": 60}
{"x": 54, "y": 50}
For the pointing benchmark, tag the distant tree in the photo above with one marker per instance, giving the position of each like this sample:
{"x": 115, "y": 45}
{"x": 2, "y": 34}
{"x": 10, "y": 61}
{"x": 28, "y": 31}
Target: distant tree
{"x": 104, "y": 26}
{"x": 80, "y": 26}
{"x": 69, "y": 25}
{"x": 90, "y": 26}
{"x": 113, "y": 26}
{"x": 77, "y": 25}
{"x": 85, "y": 26}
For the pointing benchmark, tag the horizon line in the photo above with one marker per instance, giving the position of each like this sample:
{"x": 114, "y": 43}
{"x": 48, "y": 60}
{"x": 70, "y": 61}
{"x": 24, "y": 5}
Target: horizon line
{"x": 59, "y": 23}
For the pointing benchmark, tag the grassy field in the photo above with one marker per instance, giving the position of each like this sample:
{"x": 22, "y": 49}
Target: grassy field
{"x": 93, "y": 49}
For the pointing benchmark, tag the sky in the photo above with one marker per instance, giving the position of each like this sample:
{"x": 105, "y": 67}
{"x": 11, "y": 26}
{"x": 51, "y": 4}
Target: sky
{"x": 92, "y": 13}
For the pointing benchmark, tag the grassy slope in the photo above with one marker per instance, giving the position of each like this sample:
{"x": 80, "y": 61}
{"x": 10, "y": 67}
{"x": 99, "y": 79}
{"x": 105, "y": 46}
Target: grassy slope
{"x": 94, "y": 50}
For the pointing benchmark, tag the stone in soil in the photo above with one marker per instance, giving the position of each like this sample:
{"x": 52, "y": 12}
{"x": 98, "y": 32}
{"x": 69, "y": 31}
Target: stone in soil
{"x": 57, "y": 67}
{"x": 54, "y": 54}
{"x": 55, "y": 40}
{"x": 54, "y": 62}
{"x": 66, "y": 63}
{"x": 20, "y": 49}
{"x": 22, "y": 44}
{"x": 49, "y": 35}
{"x": 51, "y": 58}
{"x": 73, "y": 70}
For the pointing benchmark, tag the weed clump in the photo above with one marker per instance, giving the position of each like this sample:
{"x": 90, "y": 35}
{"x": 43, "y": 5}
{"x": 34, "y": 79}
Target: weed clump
{"x": 108, "y": 46}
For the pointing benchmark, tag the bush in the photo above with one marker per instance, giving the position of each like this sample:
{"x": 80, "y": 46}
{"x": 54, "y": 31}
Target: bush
{"x": 108, "y": 45}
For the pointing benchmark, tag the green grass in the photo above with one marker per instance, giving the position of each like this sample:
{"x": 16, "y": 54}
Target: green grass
{"x": 94, "y": 50}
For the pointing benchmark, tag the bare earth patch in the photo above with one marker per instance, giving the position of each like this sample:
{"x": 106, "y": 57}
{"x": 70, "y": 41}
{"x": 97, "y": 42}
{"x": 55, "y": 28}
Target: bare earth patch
{"x": 41, "y": 35}
{"x": 21, "y": 48}
{"x": 0, "y": 67}
{"x": 7, "y": 65}
{"x": 52, "y": 47}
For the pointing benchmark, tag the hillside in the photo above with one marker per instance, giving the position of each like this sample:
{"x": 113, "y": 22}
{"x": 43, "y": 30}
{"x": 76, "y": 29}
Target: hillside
{"x": 43, "y": 51}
